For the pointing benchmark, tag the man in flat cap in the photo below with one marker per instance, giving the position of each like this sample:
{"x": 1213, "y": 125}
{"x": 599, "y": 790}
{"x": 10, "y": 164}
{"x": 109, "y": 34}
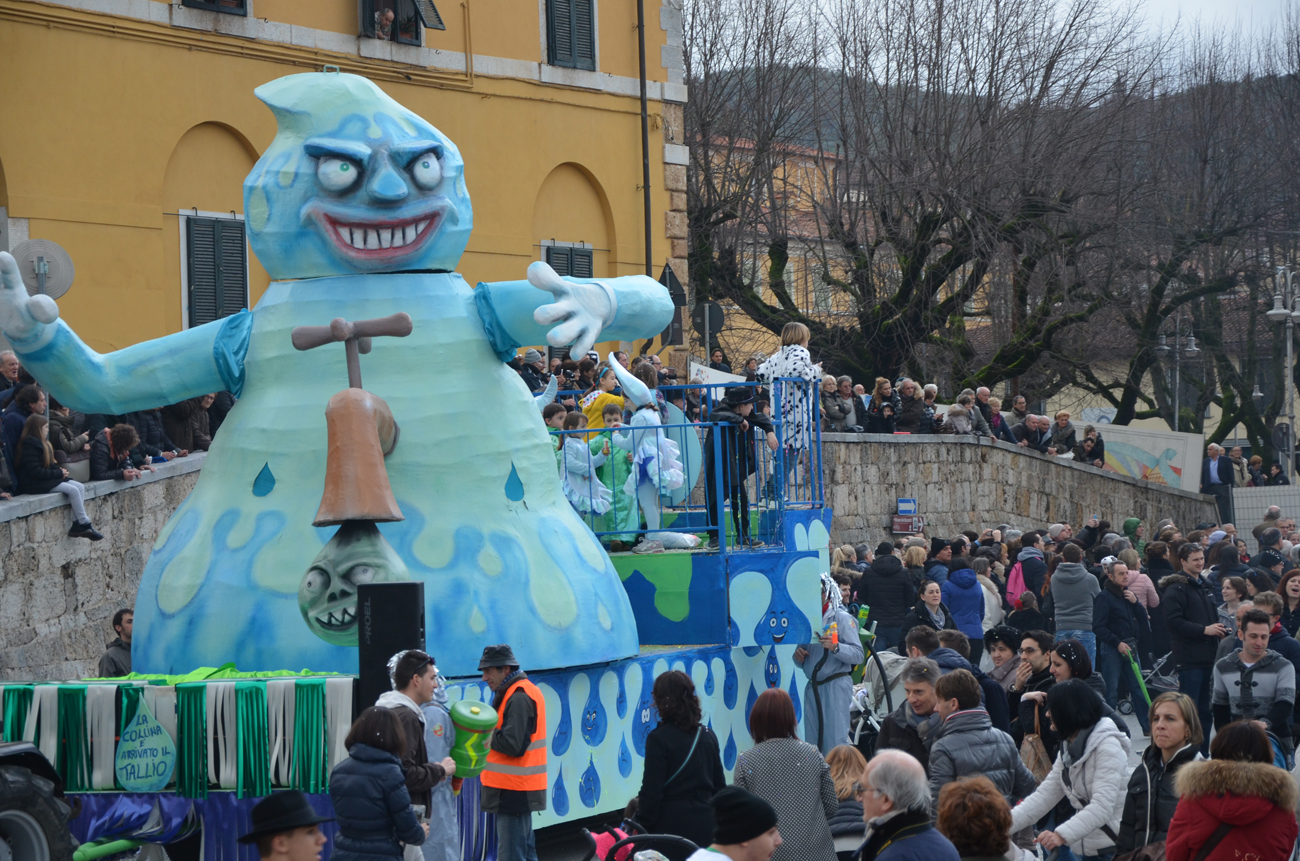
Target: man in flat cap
{"x": 744, "y": 828}
{"x": 514, "y": 781}
{"x": 286, "y": 828}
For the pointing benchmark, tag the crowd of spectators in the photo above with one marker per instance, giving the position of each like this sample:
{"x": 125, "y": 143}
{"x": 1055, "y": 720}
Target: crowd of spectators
{"x": 93, "y": 447}
{"x": 1018, "y": 649}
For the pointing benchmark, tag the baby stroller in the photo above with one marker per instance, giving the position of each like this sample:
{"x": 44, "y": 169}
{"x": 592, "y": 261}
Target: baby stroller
{"x": 617, "y": 844}
{"x": 1160, "y": 679}
{"x": 873, "y": 698}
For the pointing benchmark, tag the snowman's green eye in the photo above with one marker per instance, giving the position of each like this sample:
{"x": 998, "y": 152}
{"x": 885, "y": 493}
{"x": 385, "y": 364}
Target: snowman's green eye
{"x": 336, "y": 174}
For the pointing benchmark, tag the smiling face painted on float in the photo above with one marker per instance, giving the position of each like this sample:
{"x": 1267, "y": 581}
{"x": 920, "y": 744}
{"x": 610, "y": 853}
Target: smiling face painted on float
{"x": 354, "y": 182}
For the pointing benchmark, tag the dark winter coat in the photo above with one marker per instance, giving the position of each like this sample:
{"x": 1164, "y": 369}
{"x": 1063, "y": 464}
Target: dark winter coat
{"x": 966, "y": 744}
{"x": 1027, "y": 620}
{"x": 680, "y": 806}
{"x": 965, "y": 597}
{"x": 153, "y": 438}
{"x": 223, "y": 404}
{"x": 911, "y": 417}
{"x": 371, "y": 806}
{"x": 1258, "y": 800}
{"x": 64, "y": 438}
{"x": 178, "y": 423}
{"x": 116, "y": 660}
{"x": 898, "y": 734}
{"x": 33, "y": 475}
{"x": 994, "y": 698}
{"x": 1189, "y": 607}
{"x": 1000, "y": 429}
{"x": 839, "y": 412}
{"x": 104, "y": 465}
{"x": 1290, "y": 618}
{"x": 919, "y": 615}
{"x": 1064, "y": 437}
{"x": 1024, "y": 709}
{"x": 848, "y": 819}
{"x": 1152, "y": 799}
{"x": 1114, "y": 619}
{"x": 886, "y": 588}
{"x": 881, "y": 421}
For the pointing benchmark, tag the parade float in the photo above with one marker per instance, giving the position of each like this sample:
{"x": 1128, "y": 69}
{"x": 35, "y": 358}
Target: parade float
{"x": 360, "y": 213}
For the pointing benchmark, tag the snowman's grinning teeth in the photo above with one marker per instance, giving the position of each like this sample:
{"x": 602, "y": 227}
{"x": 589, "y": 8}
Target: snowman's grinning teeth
{"x": 365, "y": 238}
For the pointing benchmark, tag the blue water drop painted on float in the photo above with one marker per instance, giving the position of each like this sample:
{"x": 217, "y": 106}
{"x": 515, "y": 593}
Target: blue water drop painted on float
{"x": 733, "y": 633}
{"x": 750, "y": 699}
{"x": 589, "y": 785}
{"x": 646, "y": 717}
{"x": 265, "y": 481}
{"x": 514, "y": 487}
{"x": 624, "y": 757}
{"x": 729, "y": 752}
{"x": 559, "y": 795}
{"x": 594, "y": 721}
{"x": 730, "y": 684}
{"x": 563, "y": 729}
{"x": 772, "y": 672}
{"x": 751, "y": 651}
{"x": 708, "y": 677}
{"x": 798, "y": 700}
{"x": 620, "y": 704}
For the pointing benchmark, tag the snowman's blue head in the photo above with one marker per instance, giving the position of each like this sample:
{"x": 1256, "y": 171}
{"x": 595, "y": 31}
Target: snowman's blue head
{"x": 353, "y": 182}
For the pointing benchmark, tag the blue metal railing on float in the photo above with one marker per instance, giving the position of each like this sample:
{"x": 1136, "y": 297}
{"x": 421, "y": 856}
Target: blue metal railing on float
{"x": 718, "y": 464}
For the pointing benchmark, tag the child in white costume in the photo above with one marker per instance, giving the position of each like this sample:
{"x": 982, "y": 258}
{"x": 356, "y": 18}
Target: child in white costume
{"x": 656, "y": 459}
{"x": 582, "y": 487}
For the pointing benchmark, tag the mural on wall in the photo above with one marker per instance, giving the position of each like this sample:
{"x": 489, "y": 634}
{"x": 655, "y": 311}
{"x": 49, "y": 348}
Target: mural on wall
{"x": 359, "y": 209}
{"x": 1164, "y": 457}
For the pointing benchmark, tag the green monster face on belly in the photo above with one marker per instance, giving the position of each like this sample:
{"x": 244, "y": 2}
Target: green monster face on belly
{"x": 356, "y": 555}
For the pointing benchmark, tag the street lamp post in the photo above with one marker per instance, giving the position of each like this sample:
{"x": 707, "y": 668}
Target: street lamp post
{"x": 1184, "y": 345}
{"x": 1285, "y": 310}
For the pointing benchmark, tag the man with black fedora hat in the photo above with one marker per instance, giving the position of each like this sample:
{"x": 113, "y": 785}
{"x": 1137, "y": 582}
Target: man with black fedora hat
{"x": 287, "y": 828}
{"x": 737, "y": 459}
{"x": 514, "y": 780}
{"x": 744, "y": 828}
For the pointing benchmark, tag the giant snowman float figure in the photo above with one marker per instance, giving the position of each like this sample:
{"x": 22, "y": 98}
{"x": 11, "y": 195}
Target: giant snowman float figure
{"x": 358, "y": 209}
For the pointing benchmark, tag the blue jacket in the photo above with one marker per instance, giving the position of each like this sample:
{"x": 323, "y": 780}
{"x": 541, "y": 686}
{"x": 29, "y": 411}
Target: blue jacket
{"x": 372, "y": 807}
{"x": 994, "y": 697}
{"x": 965, "y": 599}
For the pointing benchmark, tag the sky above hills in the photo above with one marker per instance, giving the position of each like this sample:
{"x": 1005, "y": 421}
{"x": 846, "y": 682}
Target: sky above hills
{"x": 1249, "y": 13}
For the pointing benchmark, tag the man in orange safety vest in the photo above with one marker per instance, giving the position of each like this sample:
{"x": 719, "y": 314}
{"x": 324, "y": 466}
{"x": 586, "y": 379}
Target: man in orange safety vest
{"x": 514, "y": 781}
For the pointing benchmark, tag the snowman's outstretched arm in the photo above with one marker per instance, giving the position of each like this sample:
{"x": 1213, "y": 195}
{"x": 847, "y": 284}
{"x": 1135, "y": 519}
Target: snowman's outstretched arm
{"x": 208, "y": 358}
{"x": 573, "y": 312}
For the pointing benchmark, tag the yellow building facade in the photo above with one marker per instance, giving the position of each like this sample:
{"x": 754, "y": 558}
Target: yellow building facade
{"x": 120, "y": 120}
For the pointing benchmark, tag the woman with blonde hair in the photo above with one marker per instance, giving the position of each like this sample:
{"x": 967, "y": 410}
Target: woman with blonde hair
{"x": 914, "y": 561}
{"x": 881, "y": 395}
{"x": 847, "y": 826}
{"x": 798, "y": 401}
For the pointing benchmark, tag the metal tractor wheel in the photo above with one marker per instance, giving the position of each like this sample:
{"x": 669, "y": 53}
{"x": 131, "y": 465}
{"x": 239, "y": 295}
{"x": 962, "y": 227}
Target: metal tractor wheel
{"x": 33, "y": 822}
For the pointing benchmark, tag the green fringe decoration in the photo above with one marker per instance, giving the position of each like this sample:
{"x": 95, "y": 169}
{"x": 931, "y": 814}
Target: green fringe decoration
{"x": 192, "y": 741}
{"x": 72, "y": 762}
{"x": 253, "y": 751}
{"x": 310, "y": 736}
{"x": 18, "y": 702}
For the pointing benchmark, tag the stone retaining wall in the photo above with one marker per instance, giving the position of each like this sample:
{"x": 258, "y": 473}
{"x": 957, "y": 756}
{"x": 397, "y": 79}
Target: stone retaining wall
{"x": 58, "y": 594}
{"x": 968, "y": 483}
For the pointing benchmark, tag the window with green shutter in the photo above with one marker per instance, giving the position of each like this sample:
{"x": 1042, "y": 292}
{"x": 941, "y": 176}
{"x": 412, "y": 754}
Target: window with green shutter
{"x": 218, "y": 268}
{"x": 570, "y": 261}
{"x": 230, "y": 7}
{"x": 571, "y": 34}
